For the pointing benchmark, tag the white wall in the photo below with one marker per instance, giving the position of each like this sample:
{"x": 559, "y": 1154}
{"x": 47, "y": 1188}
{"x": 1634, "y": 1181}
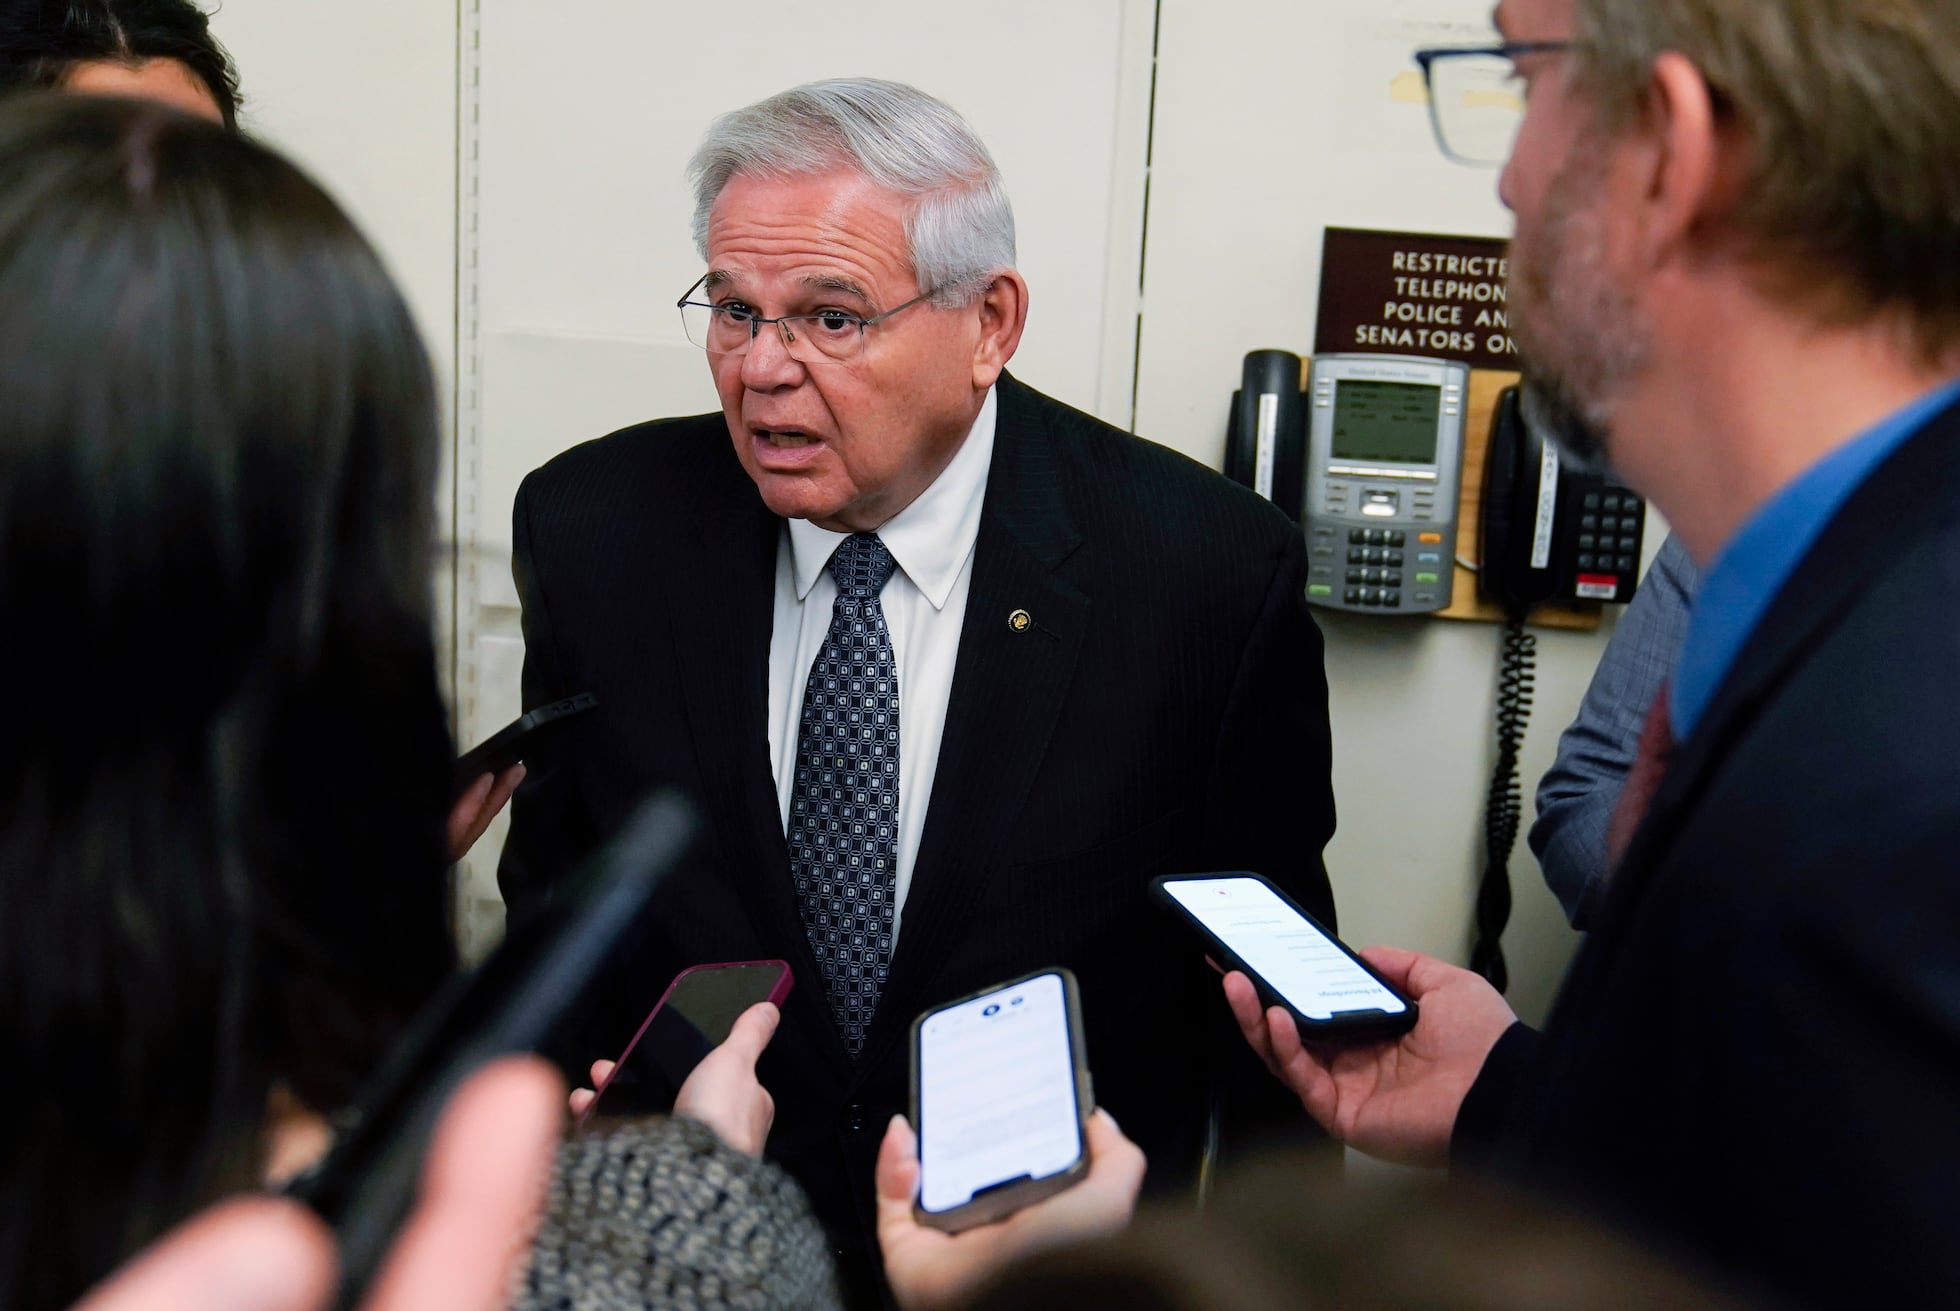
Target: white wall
{"x": 362, "y": 93}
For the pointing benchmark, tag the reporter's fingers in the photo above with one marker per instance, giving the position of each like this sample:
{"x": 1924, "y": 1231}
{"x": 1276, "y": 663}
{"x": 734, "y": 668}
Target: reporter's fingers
{"x": 897, "y": 1174}
{"x": 581, "y": 1099}
{"x": 600, "y": 1072}
{"x": 256, "y": 1254}
{"x": 466, "y": 822}
{"x": 1243, "y": 998}
{"x": 1113, "y": 1156}
{"x": 500, "y": 792}
{"x": 481, "y": 1189}
{"x": 1404, "y": 968}
{"x": 752, "y": 1031}
{"x": 1301, "y": 1070}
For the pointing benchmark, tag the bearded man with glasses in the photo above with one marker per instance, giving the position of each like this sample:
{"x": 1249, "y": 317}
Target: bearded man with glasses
{"x": 953, "y": 669}
{"x": 1736, "y": 278}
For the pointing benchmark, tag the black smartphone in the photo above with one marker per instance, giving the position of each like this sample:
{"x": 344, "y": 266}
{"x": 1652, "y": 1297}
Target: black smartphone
{"x": 509, "y": 1003}
{"x": 691, "y": 1019}
{"x": 1000, "y": 1100}
{"x": 509, "y": 744}
{"x": 1250, "y": 925}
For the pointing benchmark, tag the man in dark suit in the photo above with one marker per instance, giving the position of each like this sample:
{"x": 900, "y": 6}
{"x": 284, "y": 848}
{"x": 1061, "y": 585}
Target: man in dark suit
{"x": 952, "y": 670}
{"x": 1747, "y": 297}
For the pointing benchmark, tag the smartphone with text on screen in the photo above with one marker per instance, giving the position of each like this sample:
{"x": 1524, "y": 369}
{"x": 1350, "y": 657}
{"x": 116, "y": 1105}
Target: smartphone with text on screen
{"x": 1000, "y": 1098}
{"x": 1250, "y": 925}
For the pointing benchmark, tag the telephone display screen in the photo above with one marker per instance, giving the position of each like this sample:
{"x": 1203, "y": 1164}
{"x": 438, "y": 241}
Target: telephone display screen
{"x": 997, "y": 1093}
{"x": 1314, "y": 973}
{"x": 1388, "y": 422}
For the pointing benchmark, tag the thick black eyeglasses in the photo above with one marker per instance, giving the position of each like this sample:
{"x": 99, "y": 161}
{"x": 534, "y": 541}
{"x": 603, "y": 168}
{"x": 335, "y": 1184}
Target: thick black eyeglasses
{"x": 830, "y": 334}
{"x": 1476, "y": 98}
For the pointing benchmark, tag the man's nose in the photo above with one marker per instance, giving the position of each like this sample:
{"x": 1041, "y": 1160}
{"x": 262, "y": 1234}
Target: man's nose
{"x": 768, "y": 363}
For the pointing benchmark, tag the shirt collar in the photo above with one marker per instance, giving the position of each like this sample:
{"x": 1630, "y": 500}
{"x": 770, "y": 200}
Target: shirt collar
{"x": 1745, "y": 577}
{"x": 930, "y": 538}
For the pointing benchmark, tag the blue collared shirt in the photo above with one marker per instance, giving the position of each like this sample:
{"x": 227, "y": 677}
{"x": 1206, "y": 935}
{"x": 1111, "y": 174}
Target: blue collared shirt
{"x": 1759, "y": 559}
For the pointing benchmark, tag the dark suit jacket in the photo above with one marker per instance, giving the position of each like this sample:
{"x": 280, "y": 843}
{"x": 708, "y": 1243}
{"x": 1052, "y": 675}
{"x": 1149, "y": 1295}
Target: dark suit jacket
{"x": 1167, "y": 711}
{"x": 1756, "y": 1058}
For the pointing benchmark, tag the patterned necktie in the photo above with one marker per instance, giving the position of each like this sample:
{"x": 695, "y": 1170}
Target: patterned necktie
{"x": 843, "y": 811}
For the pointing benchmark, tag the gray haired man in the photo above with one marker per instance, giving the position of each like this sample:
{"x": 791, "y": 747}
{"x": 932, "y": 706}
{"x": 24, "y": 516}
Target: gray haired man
{"x": 952, "y": 670}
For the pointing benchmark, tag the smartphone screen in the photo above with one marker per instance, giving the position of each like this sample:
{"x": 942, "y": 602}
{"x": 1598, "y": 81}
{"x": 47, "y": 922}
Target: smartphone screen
{"x": 997, "y": 1093}
{"x": 691, "y": 1020}
{"x": 1310, "y": 970}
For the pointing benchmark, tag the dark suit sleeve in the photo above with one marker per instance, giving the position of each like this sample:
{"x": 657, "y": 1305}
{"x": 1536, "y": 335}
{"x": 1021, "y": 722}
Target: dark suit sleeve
{"x": 1481, "y": 1119}
{"x": 1271, "y": 802}
{"x": 1271, "y": 810}
{"x": 549, "y": 829}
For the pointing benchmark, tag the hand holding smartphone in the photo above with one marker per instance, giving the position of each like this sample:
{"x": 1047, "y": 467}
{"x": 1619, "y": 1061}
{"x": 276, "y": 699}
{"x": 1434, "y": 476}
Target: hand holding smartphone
{"x": 509, "y": 744}
{"x": 1000, "y": 1100}
{"x": 691, "y": 1019}
{"x": 1249, "y": 925}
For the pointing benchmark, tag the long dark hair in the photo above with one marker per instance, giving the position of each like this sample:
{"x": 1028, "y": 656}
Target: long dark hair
{"x": 223, "y": 760}
{"x": 42, "y": 40}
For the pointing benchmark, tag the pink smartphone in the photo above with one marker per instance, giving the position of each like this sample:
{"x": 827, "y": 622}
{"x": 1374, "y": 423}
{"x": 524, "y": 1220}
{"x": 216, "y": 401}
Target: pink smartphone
{"x": 691, "y": 1019}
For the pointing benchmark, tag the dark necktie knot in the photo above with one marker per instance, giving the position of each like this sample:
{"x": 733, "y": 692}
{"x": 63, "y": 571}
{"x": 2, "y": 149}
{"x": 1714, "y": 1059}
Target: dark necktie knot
{"x": 861, "y": 565}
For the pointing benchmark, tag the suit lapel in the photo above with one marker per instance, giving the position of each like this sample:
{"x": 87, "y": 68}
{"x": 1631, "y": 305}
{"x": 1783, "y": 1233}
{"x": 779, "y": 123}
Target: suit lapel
{"x": 1009, "y": 683}
{"x": 1909, "y": 495}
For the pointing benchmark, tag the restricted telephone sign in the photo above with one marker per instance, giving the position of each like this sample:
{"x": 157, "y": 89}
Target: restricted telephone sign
{"x": 1412, "y": 293}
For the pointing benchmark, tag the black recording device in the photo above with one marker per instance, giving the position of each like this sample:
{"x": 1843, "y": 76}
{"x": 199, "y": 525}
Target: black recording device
{"x": 508, "y": 1004}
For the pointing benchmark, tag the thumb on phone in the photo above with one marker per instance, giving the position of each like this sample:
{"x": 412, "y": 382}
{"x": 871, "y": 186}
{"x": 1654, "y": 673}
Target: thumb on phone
{"x": 723, "y": 1092}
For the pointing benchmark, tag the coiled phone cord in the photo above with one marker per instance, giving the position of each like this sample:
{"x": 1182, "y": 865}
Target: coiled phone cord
{"x": 1504, "y": 807}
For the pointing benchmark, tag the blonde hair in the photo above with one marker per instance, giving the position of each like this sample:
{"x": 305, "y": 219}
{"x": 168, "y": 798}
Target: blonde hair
{"x": 1849, "y": 111}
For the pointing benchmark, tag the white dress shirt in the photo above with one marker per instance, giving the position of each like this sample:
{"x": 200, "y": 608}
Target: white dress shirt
{"x": 925, "y": 608}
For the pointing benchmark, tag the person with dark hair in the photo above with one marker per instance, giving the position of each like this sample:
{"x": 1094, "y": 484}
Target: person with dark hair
{"x": 222, "y": 844}
{"x": 216, "y": 515}
{"x": 153, "y": 49}
{"x": 222, "y": 806}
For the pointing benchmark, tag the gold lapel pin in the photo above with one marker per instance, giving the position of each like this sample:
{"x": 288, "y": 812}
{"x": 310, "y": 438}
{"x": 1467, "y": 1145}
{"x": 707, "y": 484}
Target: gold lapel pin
{"x": 1020, "y": 621}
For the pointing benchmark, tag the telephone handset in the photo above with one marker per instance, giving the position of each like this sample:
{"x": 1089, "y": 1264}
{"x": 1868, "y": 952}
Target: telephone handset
{"x": 1550, "y": 532}
{"x": 1265, "y": 439}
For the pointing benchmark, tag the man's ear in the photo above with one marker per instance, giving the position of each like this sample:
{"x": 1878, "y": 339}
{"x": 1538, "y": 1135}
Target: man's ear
{"x": 1003, "y": 313}
{"x": 1689, "y": 178}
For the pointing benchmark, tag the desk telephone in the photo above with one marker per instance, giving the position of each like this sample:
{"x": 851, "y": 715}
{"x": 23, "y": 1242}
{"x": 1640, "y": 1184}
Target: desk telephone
{"x": 1369, "y": 455}
{"x": 1551, "y": 533}
{"x": 1369, "y": 459}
